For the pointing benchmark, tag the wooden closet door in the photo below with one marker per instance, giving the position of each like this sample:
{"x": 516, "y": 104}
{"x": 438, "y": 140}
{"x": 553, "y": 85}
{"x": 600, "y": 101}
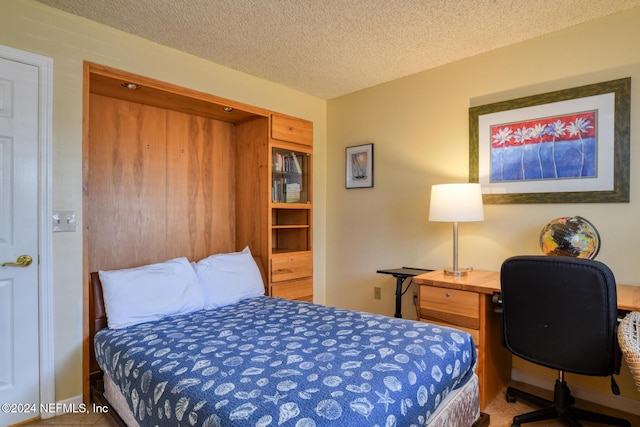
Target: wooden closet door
{"x": 126, "y": 184}
{"x": 161, "y": 185}
{"x": 200, "y": 186}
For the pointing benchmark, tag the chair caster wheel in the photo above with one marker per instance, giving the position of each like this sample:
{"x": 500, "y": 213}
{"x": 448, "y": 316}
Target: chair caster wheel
{"x": 515, "y": 425}
{"x": 510, "y": 398}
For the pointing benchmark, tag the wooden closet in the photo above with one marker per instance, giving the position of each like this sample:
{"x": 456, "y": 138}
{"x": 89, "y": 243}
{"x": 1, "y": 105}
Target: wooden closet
{"x": 171, "y": 172}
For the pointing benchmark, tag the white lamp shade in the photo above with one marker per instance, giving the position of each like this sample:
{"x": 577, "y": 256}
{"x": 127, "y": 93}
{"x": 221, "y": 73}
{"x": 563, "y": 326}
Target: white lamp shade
{"x": 460, "y": 202}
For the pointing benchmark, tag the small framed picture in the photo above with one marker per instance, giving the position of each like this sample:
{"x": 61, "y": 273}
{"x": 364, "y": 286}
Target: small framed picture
{"x": 359, "y": 161}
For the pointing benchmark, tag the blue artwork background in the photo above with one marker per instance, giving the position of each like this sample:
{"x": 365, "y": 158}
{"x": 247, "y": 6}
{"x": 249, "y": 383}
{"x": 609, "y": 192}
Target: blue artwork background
{"x": 557, "y": 147}
{"x": 542, "y": 161}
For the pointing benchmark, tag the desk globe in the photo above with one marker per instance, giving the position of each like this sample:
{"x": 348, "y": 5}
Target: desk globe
{"x": 570, "y": 236}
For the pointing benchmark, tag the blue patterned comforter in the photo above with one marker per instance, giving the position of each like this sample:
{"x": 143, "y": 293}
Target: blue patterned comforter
{"x": 268, "y": 361}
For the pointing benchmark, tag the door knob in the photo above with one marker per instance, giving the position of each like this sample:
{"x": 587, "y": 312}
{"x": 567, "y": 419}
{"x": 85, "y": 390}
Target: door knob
{"x": 22, "y": 261}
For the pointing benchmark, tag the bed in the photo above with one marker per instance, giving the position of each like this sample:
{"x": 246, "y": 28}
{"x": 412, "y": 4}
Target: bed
{"x": 263, "y": 361}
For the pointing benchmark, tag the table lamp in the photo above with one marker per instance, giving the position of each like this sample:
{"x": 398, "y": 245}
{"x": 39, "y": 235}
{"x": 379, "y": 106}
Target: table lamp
{"x": 456, "y": 203}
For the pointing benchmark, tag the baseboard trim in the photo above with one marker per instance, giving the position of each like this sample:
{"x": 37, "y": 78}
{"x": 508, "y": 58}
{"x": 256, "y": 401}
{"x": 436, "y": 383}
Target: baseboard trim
{"x": 609, "y": 400}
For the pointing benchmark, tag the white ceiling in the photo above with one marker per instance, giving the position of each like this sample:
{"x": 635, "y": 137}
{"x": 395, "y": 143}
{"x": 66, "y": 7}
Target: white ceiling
{"x": 329, "y": 48}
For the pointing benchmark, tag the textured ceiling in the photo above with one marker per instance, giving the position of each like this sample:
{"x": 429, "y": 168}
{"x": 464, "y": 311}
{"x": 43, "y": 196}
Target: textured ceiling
{"x": 329, "y": 48}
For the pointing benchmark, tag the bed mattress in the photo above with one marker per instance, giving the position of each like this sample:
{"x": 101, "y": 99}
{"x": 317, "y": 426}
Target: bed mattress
{"x": 268, "y": 361}
{"x": 460, "y": 408}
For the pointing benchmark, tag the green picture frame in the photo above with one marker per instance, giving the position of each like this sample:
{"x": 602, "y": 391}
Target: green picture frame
{"x": 614, "y": 185}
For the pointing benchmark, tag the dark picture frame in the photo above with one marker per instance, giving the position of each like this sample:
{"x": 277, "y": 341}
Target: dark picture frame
{"x": 567, "y": 146}
{"x": 359, "y": 166}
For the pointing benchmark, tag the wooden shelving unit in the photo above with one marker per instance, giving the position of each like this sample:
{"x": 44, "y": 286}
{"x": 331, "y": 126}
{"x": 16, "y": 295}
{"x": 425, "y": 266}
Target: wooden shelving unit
{"x": 291, "y": 208}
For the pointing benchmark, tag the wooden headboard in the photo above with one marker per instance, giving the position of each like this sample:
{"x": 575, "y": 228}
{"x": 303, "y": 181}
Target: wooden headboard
{"x": 98, "y": 314}
{"x": 97, "y": 318}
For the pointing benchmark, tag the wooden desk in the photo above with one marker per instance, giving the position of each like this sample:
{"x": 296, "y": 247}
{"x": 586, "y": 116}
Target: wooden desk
{"x": 466, "y": 303}
{"x": 628, "y": 297}
{"x": 488, "y": 282}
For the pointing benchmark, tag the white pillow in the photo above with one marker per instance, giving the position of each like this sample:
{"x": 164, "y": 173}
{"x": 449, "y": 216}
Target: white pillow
{"x": 150, "y": 292}
{"x": 229, "y": 278}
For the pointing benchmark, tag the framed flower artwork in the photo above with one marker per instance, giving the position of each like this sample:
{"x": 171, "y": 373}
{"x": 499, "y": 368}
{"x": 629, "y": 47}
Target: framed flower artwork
{"x": 568, "y": 146}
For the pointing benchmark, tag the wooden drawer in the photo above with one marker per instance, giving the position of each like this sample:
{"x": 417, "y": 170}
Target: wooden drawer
{"x": 297, "y": 289}
{"x": 475, "y": 333}
{"x": 291, "y": 265}
{"x": 291, "y": 129}
{"x": 459, "y": 308}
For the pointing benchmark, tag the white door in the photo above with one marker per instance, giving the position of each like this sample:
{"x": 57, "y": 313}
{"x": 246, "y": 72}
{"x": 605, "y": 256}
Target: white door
{"x": 19, "y": 350}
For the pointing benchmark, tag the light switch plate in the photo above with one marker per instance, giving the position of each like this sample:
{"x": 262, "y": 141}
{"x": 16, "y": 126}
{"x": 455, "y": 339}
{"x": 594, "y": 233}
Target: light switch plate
{"x": 64, "y": 221}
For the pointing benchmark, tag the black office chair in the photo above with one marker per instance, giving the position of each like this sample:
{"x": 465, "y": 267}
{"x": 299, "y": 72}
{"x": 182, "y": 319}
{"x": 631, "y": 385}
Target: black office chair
{"x": 560, "y": 312}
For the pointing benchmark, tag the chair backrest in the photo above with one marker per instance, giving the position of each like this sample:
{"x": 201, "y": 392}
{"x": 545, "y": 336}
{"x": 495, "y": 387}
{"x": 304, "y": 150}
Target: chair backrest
{"x": 560, "y": 312}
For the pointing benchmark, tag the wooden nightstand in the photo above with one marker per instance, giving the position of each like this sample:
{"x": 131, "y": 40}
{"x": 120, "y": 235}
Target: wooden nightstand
{"x": 466, "y": 303}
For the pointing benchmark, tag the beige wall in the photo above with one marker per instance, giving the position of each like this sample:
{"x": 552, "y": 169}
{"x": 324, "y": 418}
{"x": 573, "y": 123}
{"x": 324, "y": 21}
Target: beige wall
{"x": 419, "y": 127}
{"x": 70, "y": 40}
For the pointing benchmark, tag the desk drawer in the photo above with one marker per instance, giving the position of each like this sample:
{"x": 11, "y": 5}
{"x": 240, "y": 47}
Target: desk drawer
{"x": 458, "y": 308}
{"x": 290, "y": 266}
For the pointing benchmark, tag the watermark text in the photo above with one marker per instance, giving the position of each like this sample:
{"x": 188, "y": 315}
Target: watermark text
{"x": 52, "y": 408}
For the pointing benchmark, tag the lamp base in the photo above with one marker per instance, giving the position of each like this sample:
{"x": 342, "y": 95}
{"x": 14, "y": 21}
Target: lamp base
{"x": 449, "y": 271}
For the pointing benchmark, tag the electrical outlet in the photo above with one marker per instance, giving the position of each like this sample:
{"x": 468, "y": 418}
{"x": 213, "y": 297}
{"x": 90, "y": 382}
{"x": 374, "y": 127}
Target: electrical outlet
{"x": 377, "y": 293}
